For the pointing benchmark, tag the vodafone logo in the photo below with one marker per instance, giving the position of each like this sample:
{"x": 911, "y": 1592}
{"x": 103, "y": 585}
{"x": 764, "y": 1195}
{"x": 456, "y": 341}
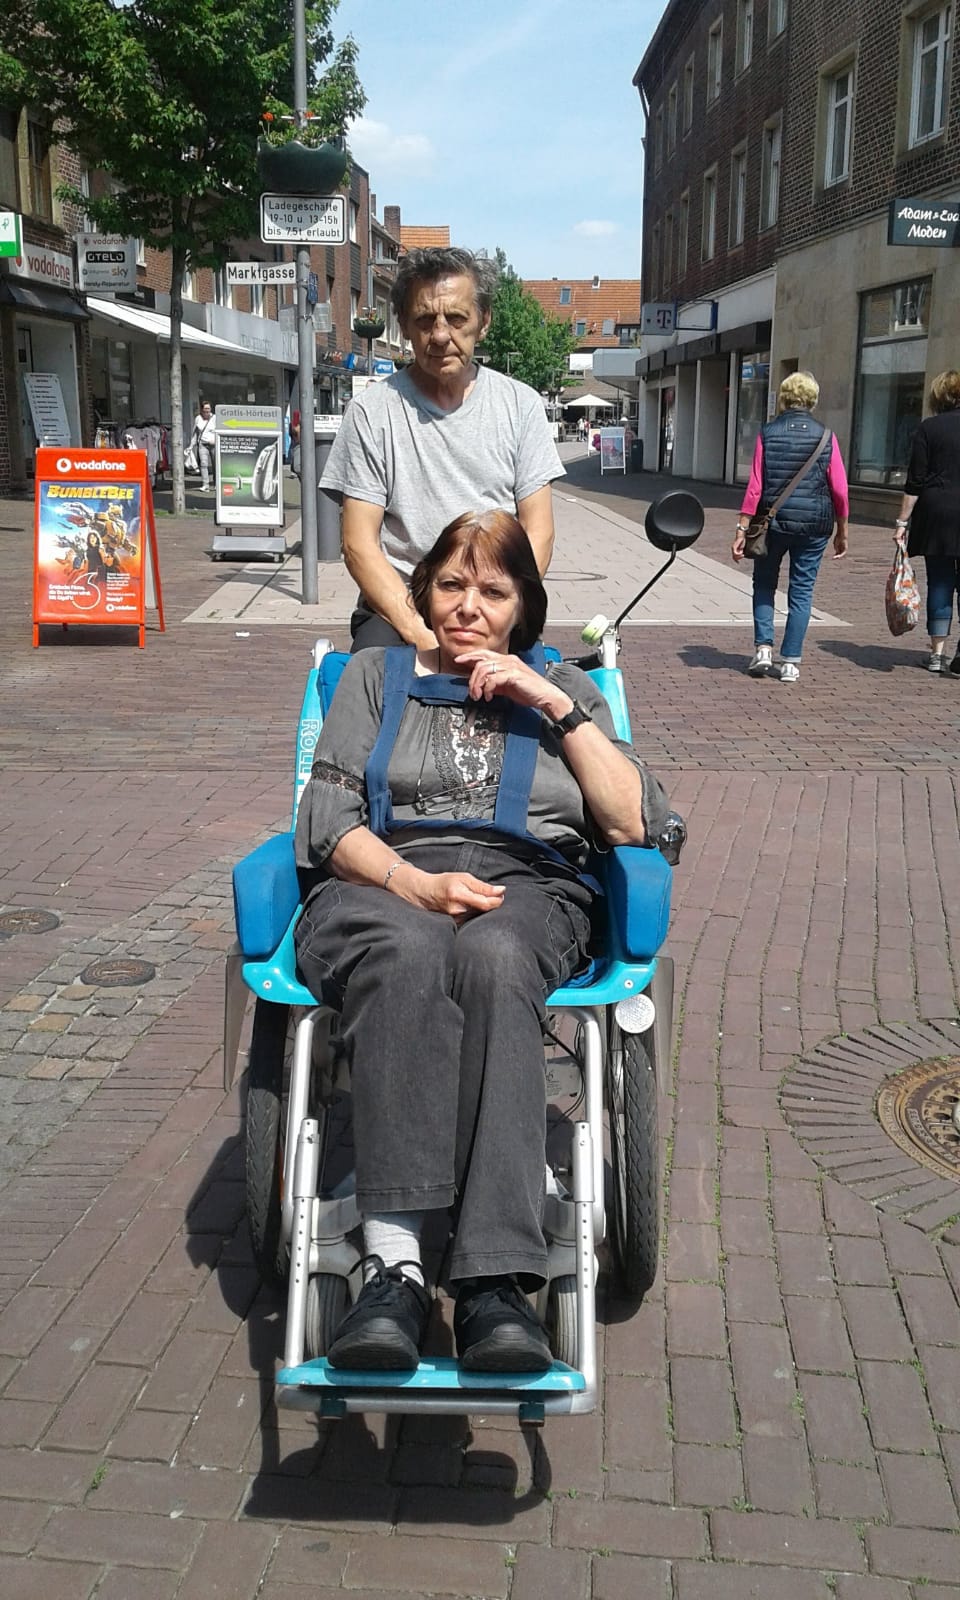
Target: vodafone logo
{"x": 66, "y": 465}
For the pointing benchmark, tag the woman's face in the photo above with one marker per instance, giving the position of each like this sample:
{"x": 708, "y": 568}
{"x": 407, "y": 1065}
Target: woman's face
{"x": 473, "y": 610}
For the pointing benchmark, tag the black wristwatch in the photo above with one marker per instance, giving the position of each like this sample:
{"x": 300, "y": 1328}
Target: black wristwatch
{"x": 564, "y": 725}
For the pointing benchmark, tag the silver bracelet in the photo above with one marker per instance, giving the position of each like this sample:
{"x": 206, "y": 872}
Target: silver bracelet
{"x": 391, "y": 871}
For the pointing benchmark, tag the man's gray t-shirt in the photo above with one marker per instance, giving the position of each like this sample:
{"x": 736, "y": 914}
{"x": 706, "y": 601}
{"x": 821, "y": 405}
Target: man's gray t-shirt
{"x": 426, "y": 466}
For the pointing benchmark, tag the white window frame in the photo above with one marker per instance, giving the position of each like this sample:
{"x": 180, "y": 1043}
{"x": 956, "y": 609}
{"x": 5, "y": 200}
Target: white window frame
{"x": 565, "y": 295}
{"x": 941, "y": 46}
{"x": 258, "y": 300}
{"x": 683, "y": 235}
{"x": 708, "y": 234}
{"x": 672, "y": 98}
{"x": 715, "y": 62}
{"x": 689, "y": 79}
{"x": 658, "y": 139}
{"x": 222, "y": 290}
{"x": 354, "y": 218}
{"x": 771, "y": 161}
{"x": 738, "y": 195}
{"x": 745, "y": 21}
{"x": 832, "y": 176}
{"x": 776, "y": 20}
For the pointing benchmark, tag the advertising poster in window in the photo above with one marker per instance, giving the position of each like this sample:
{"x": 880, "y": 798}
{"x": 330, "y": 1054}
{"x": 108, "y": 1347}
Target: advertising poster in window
{"x": 95, "y": 557}
{"x": 249, "y": 465}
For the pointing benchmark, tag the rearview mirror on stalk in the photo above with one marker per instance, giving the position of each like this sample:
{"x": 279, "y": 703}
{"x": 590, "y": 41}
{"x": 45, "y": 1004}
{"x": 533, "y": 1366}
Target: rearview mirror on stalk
{"x": 674, "y": 521}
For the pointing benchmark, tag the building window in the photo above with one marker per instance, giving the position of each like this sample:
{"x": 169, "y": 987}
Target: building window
{"x": 738, "y": 195}
{"x": 751, "y": 408}
{"x": 688, "y": 95}
{"x": 714, "y": 61}
{"x": 565, "y": 295}
{"x": 580, "y": 327}
{"x": 141, "y": 253}
{"x": 891, "y": 367}
{"x": 9, "y": 186}
{"x": 672, "y": 120}
{"x": 683, "y": 234}
{"x": 222, "y": 290}
{"x": 776, "y": 19}
{"x": 658, "y": 140}
{"x": 354, "y": 217}
{"x": 929, "y": 86}
{"x": 354, "y": 307}
{"x": 40, "y": 197}
{"x": 258, "y": 299}
{"x": 188, "y": 288}
{"x": 770, "y": 174}
{"x": 652, "y": 269}
{"x": 744, "y": 34}
{"x": 607, "y": 327}
{"x": 708, "y": 242}
{"x": 839, "y": 126}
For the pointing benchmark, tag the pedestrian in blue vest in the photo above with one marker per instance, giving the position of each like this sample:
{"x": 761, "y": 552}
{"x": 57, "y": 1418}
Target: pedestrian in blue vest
{"x": 817, "y": 507}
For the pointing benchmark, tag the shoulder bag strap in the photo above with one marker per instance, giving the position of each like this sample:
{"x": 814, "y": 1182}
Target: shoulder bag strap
{"x": 799, "y": 476}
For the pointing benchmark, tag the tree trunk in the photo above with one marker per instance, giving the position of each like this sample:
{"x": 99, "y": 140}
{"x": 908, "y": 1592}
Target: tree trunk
{"x": 178, "y": 265}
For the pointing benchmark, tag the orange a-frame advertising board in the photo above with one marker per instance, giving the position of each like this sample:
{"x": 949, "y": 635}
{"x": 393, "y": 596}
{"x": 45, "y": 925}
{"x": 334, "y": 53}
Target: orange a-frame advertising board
{"x": 95, "y": 540}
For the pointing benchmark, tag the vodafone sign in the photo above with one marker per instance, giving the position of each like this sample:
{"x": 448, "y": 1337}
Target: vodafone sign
{"x": 44, "y": 266}
{"x": 61, "y": 463}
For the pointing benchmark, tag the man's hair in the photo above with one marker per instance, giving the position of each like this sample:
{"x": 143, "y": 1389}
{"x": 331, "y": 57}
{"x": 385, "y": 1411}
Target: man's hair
{"x": 945, "y": 391}
{"x": 426, "y": 266}
{"x": 483, "y": 540}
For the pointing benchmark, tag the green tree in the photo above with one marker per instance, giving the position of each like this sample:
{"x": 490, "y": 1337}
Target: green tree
{"x": 524, "y": 340}
{"x": 165, "y": 97}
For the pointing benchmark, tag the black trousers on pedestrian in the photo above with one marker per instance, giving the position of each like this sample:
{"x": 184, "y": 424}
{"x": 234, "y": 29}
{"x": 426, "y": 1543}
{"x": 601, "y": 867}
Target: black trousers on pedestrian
{"x": 442, "y": 1024}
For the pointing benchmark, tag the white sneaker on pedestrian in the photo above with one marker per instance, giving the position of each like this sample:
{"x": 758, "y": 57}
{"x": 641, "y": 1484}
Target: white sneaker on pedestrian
{"x": 936, "y": 662}
{"x": 789, "y": 672}
{"x": 762, "y": 661}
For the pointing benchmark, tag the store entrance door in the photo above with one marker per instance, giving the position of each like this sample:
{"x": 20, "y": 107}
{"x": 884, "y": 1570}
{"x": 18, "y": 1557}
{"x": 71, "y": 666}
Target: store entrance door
{"x": 24, "y": 367}
{"x": 668, "y": 427}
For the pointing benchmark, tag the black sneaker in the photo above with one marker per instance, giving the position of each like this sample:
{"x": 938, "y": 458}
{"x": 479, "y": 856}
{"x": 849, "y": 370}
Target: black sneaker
{"x": 497, "y": 1329}
{"x": 384, "y": 1328}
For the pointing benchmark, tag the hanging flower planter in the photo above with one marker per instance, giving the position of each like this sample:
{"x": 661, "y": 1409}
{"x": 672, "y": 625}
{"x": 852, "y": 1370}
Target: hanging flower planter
{"x": 297, "y": 168}
{"x": 368, "y": 327}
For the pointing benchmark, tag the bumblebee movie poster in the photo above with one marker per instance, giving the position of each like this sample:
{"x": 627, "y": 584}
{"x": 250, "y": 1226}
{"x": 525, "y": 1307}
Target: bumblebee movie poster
{"x": 89, "y": 552}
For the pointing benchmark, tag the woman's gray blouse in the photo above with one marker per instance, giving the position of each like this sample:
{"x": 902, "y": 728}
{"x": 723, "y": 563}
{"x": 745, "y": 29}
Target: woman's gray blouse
{"x": 446, "y": 763}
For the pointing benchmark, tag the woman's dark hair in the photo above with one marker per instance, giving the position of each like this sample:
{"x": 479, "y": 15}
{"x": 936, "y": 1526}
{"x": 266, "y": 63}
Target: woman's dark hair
{"x": 482, "y": 540}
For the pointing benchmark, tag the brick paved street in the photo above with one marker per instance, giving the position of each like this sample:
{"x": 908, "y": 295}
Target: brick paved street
{"x": 780, "y": 1419}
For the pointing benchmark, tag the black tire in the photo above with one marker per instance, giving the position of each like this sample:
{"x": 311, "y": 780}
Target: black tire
{"x": 327, "y": 1301}
{"x": 635, "y": 1159}
{"x": 561, "y": 1320}
{"x": 266, "y": 1118}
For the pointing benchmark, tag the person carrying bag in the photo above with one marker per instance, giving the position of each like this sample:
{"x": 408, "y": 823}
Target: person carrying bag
{"x": 795, "y": 451}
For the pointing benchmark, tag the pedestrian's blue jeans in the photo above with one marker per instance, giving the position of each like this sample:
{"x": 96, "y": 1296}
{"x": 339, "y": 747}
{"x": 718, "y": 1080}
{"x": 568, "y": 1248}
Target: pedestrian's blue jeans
{"x": 805, "y": 554}
{"x": 943, "y": 582}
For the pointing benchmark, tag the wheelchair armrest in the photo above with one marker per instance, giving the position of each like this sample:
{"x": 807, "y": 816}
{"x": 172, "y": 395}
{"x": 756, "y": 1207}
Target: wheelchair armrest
{"x": 266, "y": 894}
{"x": 638, "y": 885}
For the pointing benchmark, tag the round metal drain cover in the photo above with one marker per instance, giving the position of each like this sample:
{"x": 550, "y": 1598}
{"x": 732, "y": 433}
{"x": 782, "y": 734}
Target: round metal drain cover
{"x": 27, "y": 920}
{"x": 916, "y": 1109}
{"x": 112, "y": 971}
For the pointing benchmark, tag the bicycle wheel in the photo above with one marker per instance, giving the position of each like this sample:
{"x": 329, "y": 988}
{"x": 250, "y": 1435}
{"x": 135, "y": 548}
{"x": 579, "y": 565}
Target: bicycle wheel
{"x": 635, "y": 1159}
{"x": 270, "y": 1048}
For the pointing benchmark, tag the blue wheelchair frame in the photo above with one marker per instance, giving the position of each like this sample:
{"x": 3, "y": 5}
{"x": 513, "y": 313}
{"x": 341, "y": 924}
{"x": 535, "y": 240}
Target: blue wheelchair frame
{"x": 262, "y": 962}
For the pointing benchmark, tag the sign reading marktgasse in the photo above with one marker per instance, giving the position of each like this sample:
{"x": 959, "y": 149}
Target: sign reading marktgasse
{"x": 934, "y": 224}
{"x": 261, "y": 272}
{"x": 249, "y": 463}
{"x": 303, "y": 219}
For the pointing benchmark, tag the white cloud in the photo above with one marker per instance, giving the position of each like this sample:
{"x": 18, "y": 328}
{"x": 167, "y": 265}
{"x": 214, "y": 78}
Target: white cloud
{"x": 595, "y": 230}
{"x": 378, "y": 148}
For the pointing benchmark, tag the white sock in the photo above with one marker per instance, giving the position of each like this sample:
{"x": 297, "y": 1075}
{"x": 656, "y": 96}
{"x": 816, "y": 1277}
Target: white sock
{"x": 394, "y": 1236}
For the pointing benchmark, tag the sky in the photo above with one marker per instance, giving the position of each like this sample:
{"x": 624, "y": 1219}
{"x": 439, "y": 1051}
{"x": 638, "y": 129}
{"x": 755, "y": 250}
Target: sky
{"x": 516, "y": 122}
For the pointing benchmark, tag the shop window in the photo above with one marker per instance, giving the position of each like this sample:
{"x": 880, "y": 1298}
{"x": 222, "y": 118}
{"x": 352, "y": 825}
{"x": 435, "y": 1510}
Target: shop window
{"x": 714, "y": 61}
{"x": 672, "y": 120}
{"x": 770, "y": 173}
{"x": 776, "y": 19}
{"x": 683, "y": 234}
{"x": 738, "y": 195}
{"x": 891, "y": 370}
{"x": 839, "y": 125}
{"x": 929, "y": 82}
{"x": 708, "y": 241}
{"x": 688, "y": 95}
{"x": 744, "y": 34}
{"x": 40, "y": 194}
{"x": 751, "y": 407}
{"x": 9, "y": 188}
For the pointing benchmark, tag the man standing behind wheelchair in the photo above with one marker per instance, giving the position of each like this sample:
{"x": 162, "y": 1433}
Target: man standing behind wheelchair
{"x": 443, "y": 841}
{"x": 442, "y": 434}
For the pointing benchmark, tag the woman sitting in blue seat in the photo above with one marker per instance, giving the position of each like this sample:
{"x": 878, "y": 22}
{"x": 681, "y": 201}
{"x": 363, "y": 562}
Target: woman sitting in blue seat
{"x": 442, "y": 842}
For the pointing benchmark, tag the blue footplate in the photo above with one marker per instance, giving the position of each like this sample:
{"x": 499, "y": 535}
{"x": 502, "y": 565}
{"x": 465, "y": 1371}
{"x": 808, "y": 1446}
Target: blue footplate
{"x": 434, "y": 1373}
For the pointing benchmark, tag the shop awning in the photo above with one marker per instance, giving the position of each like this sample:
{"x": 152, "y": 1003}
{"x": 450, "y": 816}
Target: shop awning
{"x": 48, "y": 301}
{"x": 157, "y": 326}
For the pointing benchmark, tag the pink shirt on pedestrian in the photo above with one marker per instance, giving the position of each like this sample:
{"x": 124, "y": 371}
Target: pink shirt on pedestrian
{"x": 836, "y": 482}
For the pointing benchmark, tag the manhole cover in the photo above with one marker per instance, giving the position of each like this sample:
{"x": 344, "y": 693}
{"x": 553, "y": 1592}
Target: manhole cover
{"x": 114, "y": 970}
{"x": 27, "y": 920}
{"x": 916, "y": 1110}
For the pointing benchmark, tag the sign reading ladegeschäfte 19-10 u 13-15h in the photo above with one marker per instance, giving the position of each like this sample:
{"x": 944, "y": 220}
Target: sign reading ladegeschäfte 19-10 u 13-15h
{"x": 934, "y": 224}
{"x": 303, "y": 219}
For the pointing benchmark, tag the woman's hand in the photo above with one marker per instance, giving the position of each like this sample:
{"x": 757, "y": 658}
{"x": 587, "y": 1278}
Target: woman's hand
{"x": 739, "y": 545}
{"x": 840, "y": 543}
{"x": 457, "y": 894}
{"x": 491, "y": 674}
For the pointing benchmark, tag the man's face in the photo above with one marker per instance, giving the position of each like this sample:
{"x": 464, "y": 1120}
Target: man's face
{"x": 444, "y": 326}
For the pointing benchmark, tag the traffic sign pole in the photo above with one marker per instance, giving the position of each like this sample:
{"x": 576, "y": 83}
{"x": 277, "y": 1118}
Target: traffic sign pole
{"x": 306, "y": 342}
